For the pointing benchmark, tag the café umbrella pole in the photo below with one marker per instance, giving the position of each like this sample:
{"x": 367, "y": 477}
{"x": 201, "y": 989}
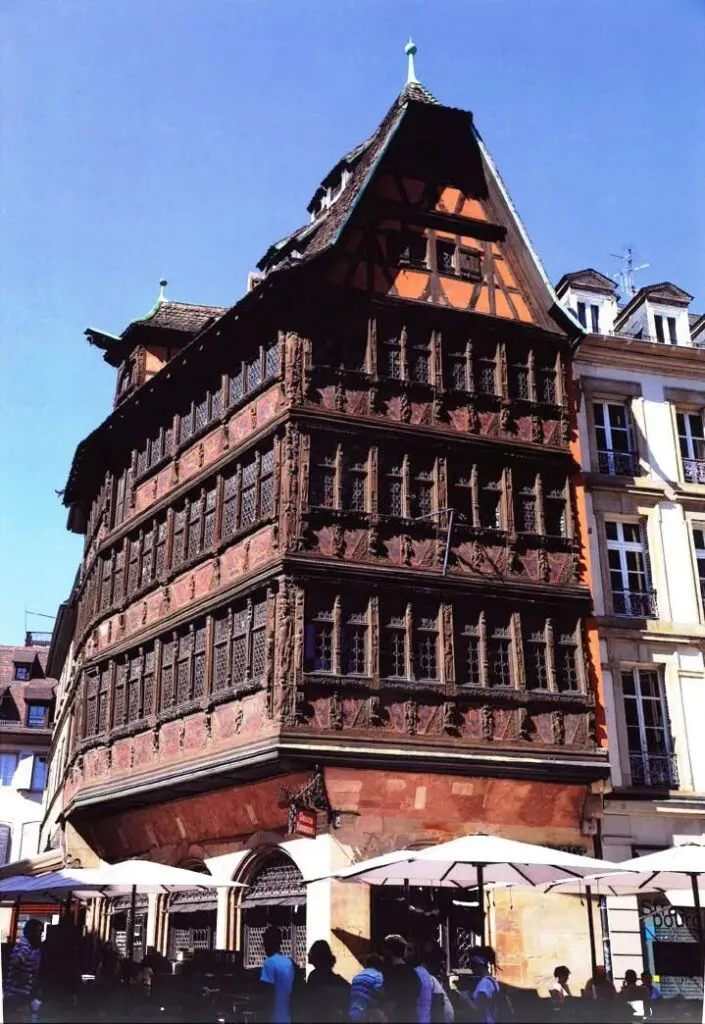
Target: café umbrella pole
{"x": 591, "y": 929}
{"x": 130, "y": 949}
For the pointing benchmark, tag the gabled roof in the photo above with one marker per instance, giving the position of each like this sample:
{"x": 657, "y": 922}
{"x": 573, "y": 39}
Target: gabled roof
{"x": 696, "y": 322}
{"x": 666, "y": 293}
{"x": 415, "y": 115}
{"x": 589, "y": 280}
{"x": 182, "y": 321}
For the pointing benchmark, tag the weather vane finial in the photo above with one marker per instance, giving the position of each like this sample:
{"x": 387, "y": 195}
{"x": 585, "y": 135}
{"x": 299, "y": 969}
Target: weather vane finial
{"x": 162, "y": 285}
{"x": 410, "y": 50}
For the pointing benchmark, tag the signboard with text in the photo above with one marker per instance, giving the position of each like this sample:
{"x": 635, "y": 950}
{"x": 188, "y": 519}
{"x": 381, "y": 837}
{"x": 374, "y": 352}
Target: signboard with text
{"x": 306, "y": 823}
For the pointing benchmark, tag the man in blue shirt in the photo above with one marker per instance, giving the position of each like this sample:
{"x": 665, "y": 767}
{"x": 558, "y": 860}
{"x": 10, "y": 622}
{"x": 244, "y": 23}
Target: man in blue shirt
{"x": 277, "y": 977}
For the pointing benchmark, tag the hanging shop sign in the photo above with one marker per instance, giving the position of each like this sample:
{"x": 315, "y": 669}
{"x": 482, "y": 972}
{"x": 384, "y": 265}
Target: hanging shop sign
{"x": 306, "y": 823}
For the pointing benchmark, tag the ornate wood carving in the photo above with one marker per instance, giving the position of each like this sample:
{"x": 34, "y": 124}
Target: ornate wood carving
{"x": 558, "y": 727}
{"x": 487, "y": 723}
{"x": 411, "y": 717}
{"x": 336, "y": 711}
{"x": 447, "y": 644}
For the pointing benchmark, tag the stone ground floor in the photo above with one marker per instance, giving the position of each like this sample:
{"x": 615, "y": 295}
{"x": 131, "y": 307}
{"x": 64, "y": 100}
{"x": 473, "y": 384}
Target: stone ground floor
{"x": 357, "y": 814}
{"x": 656, "y": 934}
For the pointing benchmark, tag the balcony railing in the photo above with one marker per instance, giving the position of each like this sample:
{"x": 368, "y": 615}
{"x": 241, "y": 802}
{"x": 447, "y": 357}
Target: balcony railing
{"x": 694, "y": 471}
{"x": 640, "y": 605}
{"x": 654, "y": 770}
{"x": 618, "y": 463}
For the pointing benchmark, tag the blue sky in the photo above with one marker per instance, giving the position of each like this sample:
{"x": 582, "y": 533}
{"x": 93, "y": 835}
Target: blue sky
{"x": 178, "y": 138}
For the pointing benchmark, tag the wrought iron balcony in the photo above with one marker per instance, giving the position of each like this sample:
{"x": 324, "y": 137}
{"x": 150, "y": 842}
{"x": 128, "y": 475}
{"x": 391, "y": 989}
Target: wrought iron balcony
{"x": 618, "y": 463}
{"x": 694, "y": 471}
{"x": 639, "y": 605}
{"x": 654, "y": 770}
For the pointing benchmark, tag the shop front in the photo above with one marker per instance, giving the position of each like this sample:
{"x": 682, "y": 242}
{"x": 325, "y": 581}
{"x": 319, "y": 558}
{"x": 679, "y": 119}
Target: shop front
{"x": 672, "y": 951}
{"x": 119, "y": 911}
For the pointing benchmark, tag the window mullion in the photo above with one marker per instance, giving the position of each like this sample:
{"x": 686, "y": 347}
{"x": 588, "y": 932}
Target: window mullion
{"x": 408, "y": 641}
{"x": 248, "y": 639}
{"x": 337, "y": 638}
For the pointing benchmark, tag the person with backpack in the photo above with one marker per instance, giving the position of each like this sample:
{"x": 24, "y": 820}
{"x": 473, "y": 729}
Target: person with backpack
{"x": 490, "y": 1003}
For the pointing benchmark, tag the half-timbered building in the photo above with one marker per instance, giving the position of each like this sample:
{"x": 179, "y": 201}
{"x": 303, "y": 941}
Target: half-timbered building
{"x": 333, "y": 580}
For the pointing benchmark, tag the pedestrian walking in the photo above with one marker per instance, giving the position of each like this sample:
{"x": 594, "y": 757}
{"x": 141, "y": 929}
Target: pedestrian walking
{"x": 367, "y": 990}
{"x": 21, "y": 986}
{"x": 277, "y": 979}
{"x": 401, "y": 983}
{"x": 327, "y": 994}
{"x": 559, "y": 990}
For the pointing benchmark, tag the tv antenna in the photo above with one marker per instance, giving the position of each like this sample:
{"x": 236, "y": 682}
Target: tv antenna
{"x": 624, "y": 278}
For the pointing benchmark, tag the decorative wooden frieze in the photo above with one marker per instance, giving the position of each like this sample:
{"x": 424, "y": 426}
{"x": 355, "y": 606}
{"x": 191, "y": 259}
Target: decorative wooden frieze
{"x": 336, "y": 711}
{"x": 487, "y": 723}
{"x": 558, "y": 727}
{"x": 447, "y": 644}
{"x": 411, "y": 717}
{"x": 406, "y": 549}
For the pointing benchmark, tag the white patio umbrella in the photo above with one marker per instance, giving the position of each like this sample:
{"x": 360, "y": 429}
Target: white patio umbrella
{"x": 471, "y": 862}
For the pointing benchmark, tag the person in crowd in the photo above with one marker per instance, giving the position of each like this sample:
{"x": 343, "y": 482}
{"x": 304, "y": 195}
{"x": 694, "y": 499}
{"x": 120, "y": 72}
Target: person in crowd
{"x": 401, "y": 983}
{"x": 433, "y": 1003}
{"x": 23, "y": 973}
{"x": 486, "y": 996}
{"x": 654, "y": 992}
{"x": 277, "y": 979}
{"x": 366, "y": 991}
{"x": 558, "y": 990}
{"x": 630, "y": 989}
{"x": 327, "y": 994}
{"x": 600, "y": 986}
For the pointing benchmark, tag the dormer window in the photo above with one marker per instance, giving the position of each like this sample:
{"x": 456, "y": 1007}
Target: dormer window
{"x": 589, "y": 316}
{"x": 665, "y": 329}
{"x": 455, "y": 261}
{"x": 408, "y": 249}
{"x": 22, "y": 670}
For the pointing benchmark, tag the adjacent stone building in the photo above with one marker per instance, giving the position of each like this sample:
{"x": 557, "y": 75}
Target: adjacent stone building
{"x": 640, "y": 380}
{"x": 333, "y": 583}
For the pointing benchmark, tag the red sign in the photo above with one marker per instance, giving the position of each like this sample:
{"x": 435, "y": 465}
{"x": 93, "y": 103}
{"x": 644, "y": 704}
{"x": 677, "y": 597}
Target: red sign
{"x": 306, "y": 823}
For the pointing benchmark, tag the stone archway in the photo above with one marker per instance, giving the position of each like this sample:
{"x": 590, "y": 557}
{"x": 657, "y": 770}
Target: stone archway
{"x": 275, "y": 895}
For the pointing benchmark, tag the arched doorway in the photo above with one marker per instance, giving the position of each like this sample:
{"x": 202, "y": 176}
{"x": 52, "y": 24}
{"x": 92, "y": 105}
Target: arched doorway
{"x": 276, "y": 895}
{"x": 192, "y": 917}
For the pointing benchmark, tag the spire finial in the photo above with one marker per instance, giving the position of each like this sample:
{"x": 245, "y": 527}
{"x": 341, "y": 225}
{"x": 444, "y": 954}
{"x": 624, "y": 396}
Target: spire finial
{"x": 410, "y": 50}
{"x": 162, "y": 285}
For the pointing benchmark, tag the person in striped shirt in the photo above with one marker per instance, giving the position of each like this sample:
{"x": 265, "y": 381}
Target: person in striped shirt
{"x": 23, "y": 973}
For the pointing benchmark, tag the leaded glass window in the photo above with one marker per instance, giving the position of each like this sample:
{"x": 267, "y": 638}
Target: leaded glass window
{"x": 499, "y": 656}
{"x": 394, "y": 646}
{"x": 323, "y": 475}
{"x": 355, "y": 492}
{"x": 167, "y": 674}
{"x": 536, "y": 644}
{"x": 393, "y": 494}
{"x": 354, "y": 642}
{"x": 423, "y": 490}
{"x": 178, "y": 541}
{"x": 426, "y": 646}
{"x": 567, "y": 666}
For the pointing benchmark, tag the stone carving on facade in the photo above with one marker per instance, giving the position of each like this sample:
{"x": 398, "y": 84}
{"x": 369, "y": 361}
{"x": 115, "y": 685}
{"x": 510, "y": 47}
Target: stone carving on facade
{"x": 182, "y": 732}
{"x": 145, "y": 610}
{"x": 192, "y": 586}
{"x": 121, "y": 625}
{"x": 447, "y": 642}
{"x": 506, "y": 421}
{"x": 155, "y": 488}
{"x": 174, "y": 478}
{"x": 201, "y": 454}
{"x": 405, "y": 408}
{"x": 207, "y": 727}
{"x": 340, "y": 400}
{"x": 110, "y": 631}
{"x": 246, "y": 555}
{"x": 544, "y": 565}
{"x": 166, "y": 600}
{"x": 224, "y": 437}
{"x": 536, "y": 430}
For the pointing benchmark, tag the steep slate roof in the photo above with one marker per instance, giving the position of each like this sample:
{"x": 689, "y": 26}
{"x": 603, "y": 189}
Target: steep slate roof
{"x": 180, "y": 318}
{"x": 38, "y": 687}
{"x": 315, "y": 238}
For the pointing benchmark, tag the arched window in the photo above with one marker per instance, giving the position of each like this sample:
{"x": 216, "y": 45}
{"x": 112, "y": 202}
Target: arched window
{"x": 5, "y": 841}
{"x": 276, "y": 896}
{"x": 192, "y": 915}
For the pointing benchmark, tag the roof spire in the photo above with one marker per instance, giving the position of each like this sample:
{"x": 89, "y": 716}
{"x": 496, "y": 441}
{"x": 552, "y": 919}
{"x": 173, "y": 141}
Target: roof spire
{"x": 410, "y": 50}
{"x": 162, "y": 285}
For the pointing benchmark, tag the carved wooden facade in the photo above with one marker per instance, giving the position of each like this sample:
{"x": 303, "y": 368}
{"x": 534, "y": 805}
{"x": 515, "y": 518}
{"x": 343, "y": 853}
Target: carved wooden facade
{"x": 348, "y": 507}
